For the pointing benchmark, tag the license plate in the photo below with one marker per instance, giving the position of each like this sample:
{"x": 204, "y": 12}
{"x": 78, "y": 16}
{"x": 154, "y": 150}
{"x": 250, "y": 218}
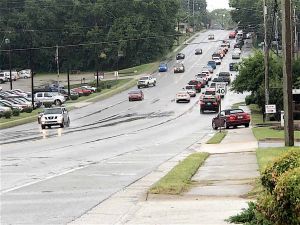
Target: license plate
{"x": 208, "y": 103}
{"x": 240, "y": 117}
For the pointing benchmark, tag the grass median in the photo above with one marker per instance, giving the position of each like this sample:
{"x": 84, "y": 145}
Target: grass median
{"x": 217, "y": 138}
{"x": 179, "y": 178}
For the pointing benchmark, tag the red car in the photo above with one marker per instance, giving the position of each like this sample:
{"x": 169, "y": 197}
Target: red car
{"x": 232, "y": 118}
{"x": 137, "y": 95}
{"x": 232, "y": 35}
{"x": 82, "y": 91}
{"x": 198, "y": 84}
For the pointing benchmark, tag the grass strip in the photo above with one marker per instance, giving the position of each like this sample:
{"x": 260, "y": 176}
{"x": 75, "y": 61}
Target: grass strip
{"x": 217, "y": 138}
{"x": 263, "y": 133}
{"x": 237, "y": 105}
{"x": 179, "y": 178}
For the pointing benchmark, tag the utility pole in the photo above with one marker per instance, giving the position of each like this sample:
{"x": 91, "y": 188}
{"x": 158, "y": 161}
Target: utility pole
{"x": 57, "y": 62}
{"x": 266, "y": 55}
{"x": 194, "y": 16}
{"x": 295, "y": 34}
{"x": 276, "y": 34}
{"x": 287, "y": 72}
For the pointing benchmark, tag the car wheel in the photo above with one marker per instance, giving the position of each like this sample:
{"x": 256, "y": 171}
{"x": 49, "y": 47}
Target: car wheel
{"x": 226, "y": 125}
{"x": 201, "y": 111}
{"x": 62, "y": 125}
{"x": 68, "y": 123}
{"x": 154, "y": 83}
{"x": 247, "y": 125}
{"x": 43, "y": 127}
{"x": 57, "y": 102}
{"x": 25, "y": 77}
{"x": 214, "y": 126}
{"x": 235, "y": 126}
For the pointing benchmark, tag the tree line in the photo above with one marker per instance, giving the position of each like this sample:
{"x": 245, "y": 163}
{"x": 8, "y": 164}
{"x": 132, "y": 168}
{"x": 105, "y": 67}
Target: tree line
{"x": 89, "y": 33}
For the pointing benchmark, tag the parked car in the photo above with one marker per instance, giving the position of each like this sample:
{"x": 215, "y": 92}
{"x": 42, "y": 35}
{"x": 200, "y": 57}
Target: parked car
{"x": 183, "y": 96}
{"x": 136, "y": 95}
{"x": 179, "y": 68}
{"x": 163, "y": 67}
{"x": 52, "y": 97}
{"x": 212, "y": 63}
{"x": 12, "y": 104}
{"x": 233, "y": 67}
{"x": 57, "y": 116}
{"x": 211, "y": 37}
{"x": 3, "y": 79}
{"x": 209, "y": 103}
{"x": 146, "y": 81}
{"x": 191, "y": 90}
{"x": 26, "y": 73}
{"x": 180, "y": 56}
{"x": 232, "y": 118}
{"x": 199, "y": 84}
{"x": 88, "y": 87}
{"x": 82, "y": 91}
{"x": 236, "y": 55}
{"x": 198, "y": 51}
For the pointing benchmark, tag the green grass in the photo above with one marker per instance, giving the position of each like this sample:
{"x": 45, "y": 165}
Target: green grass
{"x": 179, "y": 178}
{"x": 262, "y": 133}
{"x": 256, "y": 115}
{"x": 142, "y": 69}
{"x": 19, "y": 120}
{"x": 217, "y": 138}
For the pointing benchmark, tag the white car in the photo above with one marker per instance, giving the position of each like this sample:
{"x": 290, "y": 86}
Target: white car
{"x": 191, "y": 90}
{"x": 237, "y": 50}
{"x": 146, "y": 81}
{"x": 183, "y": 96}
{"x": 57, "y": 116}
{"x": 208, "y": 68}
{"x": 52, "y": 97}
{"x": 236, "y": 55}
{"x": 25, "y": 73}
{"x": 217, "y": 60}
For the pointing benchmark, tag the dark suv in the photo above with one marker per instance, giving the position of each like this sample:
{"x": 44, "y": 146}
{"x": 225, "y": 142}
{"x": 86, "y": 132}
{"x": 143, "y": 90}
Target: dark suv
{"x": 209, "y": 103}
{"x": 180, "y": 56}
{"x": 225, "y": 76}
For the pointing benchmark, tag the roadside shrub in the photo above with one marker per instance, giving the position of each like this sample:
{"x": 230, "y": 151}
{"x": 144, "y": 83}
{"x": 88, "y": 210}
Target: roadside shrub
{"x": 74, "y": 97}
{"x": 250, "y": 99}
{"x": 86, "y": 93}
{"x": 7, "y": 114}
{"x": 289, "y": 160}
{"x": 99, "y": 89}
{"x": 28, "y": 109}
{"x": 249, "y": 216}
{"x": 108, "y": 86}
{"x": 15, "y": 112}
{"x": 47, "y": 104}
{"x": 287, "y": 193}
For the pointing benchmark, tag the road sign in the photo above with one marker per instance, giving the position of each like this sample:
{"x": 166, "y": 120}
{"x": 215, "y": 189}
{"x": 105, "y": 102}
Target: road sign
{"x": 116, "y": 73}
{"x": 221, "y": 88}
{"x": 269, "y": 109}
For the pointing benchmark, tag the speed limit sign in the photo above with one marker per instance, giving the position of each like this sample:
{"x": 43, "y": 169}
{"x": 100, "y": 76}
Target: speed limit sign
{"x": 221, "y": 88}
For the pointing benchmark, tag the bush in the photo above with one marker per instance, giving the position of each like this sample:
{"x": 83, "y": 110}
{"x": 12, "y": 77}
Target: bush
{"x": 15, "y": 112}
{"x": 250, "y": 99}
{"x": 28, "y": 109}
{"x": 74, "y": 97}
{"x": 99, "y": 89}
{"x": 289, "y": 160}
{"x": 108, "y": 86}
{"x": 7, "y": 114}
{"x": 47, "y": 104}
{"x": 86, "y": 93}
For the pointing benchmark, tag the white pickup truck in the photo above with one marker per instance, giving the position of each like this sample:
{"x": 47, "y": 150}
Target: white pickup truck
{"x": 146, "y": 81}
{"x": 52, "y": 97}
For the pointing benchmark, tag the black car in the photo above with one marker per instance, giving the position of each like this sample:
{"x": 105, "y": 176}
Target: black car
{"x": 180, "y": 56}
{"x": 218, "y": 80}
{"x": 209, "y": 103}
{"x": 198, "y": 51}
{"x": 233, "y": 67}
{"x": 225, "y": 76}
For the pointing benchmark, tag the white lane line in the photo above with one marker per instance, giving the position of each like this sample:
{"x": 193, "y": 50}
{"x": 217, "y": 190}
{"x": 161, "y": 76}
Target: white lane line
{"x": 45, "y": 179}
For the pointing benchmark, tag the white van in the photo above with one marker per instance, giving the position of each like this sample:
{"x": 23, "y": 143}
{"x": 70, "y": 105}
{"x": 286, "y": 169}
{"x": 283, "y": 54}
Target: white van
{"x": 26, "y": 73}
{"x": 14, "y": 75}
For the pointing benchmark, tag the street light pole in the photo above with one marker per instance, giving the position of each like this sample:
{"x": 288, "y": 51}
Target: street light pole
{"x": 7, "y": 41}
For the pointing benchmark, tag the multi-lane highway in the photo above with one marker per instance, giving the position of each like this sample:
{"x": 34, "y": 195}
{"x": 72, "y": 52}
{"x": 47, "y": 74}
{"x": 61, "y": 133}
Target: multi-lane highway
{"x": 55, "y": 175}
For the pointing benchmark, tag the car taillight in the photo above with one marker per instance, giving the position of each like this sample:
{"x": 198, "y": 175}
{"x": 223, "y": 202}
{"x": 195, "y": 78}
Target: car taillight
{"x": 215, "y": 103}
{"x": 231, "y": 118}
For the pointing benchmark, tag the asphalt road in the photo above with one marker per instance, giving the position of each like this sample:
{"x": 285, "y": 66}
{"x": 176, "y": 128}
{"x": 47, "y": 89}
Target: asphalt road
{"x": 53, "y": 176}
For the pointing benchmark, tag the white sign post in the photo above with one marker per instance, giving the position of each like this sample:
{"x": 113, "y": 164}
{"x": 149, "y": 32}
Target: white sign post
{"x": 221, "y": 88}
{"x": 269, "y": 109}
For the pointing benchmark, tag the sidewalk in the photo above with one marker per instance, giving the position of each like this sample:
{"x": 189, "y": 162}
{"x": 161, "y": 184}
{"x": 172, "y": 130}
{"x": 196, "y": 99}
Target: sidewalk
{"x": 219, "y": 190}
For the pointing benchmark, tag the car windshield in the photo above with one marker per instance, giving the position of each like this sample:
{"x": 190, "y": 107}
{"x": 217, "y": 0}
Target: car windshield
{"x": 224, "y": 74}
{"x": 209, "y": 99}
{"x": 53, "y": 111}
{"x": 162, "y": 65}
{"x": 211, "y": 62}
{"x": 234, "y": 111}
{"x": 134, "y": 92}
{"x": 193, "y": 82}
{"x": 213, "y": 84}
{"x": 179, "y": 65}
{"x": 210, "y": 92}
{"x": 144, "y": 78}
{"x": 190, "y": 87}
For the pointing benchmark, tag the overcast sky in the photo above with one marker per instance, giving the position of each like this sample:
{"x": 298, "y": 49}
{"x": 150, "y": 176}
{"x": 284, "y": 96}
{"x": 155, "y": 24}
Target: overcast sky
{"x": 217, "y": 4}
